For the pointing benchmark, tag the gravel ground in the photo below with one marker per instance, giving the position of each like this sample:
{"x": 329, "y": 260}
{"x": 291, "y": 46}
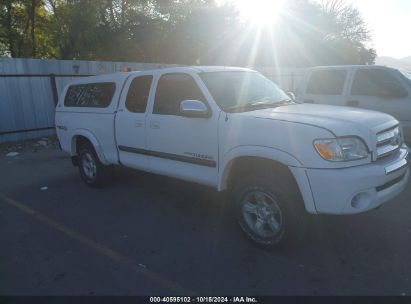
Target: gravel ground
{"x": 33, "y": 145}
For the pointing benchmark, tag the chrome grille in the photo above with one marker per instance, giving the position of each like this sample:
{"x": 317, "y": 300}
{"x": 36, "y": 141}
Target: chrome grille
{"x": 388, "y": 142}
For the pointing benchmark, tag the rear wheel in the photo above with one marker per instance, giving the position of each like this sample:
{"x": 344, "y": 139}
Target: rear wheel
{"x": 269, "y": 212}
{"x": 91, "y": 170}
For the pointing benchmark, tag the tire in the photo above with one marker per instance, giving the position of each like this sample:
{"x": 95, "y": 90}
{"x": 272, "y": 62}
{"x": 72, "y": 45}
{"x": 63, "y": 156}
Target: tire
{"x": 91, "y": 170}
{"x": 269, "y": 211}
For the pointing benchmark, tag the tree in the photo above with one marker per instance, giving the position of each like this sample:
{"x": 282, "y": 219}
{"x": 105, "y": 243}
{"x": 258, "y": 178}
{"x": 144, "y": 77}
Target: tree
{"x": 25, "y": 29}
{"x": 183, "y": 31}
{"x": 311, "y": 33}
{"x": 347, "y": 25}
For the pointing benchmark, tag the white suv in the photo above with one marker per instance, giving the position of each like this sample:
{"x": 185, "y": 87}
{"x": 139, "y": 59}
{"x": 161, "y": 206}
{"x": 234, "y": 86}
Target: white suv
{"x": 233, "y": 129}
{"x": 376, "y": 88}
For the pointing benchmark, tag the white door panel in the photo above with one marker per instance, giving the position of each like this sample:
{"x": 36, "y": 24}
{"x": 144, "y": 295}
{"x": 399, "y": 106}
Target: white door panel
{"x": 130, "y": 132}
{"x": 182, "y": 147}
{"x": 130, "y": 122}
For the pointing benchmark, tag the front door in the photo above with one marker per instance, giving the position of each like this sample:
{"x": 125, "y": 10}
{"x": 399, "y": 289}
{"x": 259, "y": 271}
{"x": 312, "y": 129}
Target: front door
{"x": 183, "y": 147}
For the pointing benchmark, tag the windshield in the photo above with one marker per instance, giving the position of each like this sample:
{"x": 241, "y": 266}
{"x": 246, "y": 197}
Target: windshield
{"x": 406, "y": 73}
{"x": 243, "y": 91}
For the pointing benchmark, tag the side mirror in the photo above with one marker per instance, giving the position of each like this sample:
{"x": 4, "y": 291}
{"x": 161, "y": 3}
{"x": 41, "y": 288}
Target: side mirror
{"x": 194, "y": 108}
{"x": 291, "y": 95}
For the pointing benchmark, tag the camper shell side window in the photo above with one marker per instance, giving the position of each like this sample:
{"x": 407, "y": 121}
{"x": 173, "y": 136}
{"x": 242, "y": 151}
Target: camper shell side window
{"x": 93, "y": 95}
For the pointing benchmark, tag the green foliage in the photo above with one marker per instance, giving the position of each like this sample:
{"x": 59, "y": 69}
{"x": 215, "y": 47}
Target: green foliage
{"x": 183, "y": 31}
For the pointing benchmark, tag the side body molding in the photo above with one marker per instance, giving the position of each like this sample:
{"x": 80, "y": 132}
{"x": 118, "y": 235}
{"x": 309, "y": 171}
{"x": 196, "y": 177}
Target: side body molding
{"x": 90, "y": 136}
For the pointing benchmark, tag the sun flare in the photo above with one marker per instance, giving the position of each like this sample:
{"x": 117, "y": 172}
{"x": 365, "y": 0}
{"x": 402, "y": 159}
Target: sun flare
{"x": 260, "y": 12}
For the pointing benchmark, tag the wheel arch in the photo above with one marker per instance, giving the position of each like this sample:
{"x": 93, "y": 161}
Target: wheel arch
{"x": 246, "y": 153}
{"x": 262, "y": 157}
{"x": 81, "y": 136}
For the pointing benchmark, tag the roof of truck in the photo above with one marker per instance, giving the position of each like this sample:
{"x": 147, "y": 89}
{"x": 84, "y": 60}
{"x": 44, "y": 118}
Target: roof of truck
{"x": 101, "y": 78}
{"x": 198, "y": 69}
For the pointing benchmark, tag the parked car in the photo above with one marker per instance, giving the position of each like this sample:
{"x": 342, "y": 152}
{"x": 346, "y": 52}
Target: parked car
{"x": 376, "y": 88}
{"x": 233, "y": 129}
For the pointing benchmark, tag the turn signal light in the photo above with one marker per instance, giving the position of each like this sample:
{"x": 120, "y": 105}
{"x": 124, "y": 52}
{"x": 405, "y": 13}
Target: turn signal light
{"x": 325, "y": 151}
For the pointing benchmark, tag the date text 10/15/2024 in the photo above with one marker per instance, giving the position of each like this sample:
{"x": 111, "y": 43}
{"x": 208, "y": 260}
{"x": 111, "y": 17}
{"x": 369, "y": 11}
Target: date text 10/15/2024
{"x": 203, "y": 300}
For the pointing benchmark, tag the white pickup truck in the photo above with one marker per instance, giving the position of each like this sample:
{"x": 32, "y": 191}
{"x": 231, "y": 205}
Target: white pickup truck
{"x": 233, "y": 129}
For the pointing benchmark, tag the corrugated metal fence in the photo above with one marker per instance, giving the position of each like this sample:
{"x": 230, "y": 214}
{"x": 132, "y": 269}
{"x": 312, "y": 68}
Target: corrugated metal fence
{"x": 29, "y": 88}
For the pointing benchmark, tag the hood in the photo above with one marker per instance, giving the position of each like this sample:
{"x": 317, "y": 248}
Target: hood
{"x": 342, "y": 121}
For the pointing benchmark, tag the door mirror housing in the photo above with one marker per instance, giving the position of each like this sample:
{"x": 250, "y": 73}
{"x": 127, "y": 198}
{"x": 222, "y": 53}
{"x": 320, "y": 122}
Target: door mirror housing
{"x": 194, "y": 108}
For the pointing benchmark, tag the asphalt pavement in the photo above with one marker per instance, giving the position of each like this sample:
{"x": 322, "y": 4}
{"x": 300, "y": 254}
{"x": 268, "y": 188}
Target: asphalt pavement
{"x": 152, "y": 235}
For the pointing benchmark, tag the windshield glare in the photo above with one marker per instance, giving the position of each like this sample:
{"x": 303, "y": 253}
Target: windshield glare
{"x": 406, "y": 73}
{"x": 237, "y": 90}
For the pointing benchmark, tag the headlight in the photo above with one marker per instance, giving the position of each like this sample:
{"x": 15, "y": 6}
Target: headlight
{"x": 341, "y": 149}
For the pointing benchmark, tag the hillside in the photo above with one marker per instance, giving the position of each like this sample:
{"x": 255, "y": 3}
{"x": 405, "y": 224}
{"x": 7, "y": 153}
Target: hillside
{"x": 404, "y": 63}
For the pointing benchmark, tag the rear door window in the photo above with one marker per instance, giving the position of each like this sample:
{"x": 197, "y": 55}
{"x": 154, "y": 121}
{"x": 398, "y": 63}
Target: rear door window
{"x": 376, "y": 82}
{"x": 327, "y": 82}
{"x": 93, "y": 95}
{"x": 138, "y": 93}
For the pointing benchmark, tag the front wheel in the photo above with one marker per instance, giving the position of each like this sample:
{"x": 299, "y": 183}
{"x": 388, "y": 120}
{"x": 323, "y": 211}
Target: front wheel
{"x": 91, "y": 170}
{"x": 269, "y": 212}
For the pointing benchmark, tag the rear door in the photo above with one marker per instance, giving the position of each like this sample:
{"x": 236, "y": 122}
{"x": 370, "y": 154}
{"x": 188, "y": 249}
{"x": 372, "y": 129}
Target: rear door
{"x": 130, "y": 122}
{"x": 325, "y": 86}
{"x": 382, "y": 90}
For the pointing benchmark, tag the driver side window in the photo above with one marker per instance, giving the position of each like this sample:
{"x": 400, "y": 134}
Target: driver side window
{"x": 172, "y": 89}
{"x": 376, "y": 82}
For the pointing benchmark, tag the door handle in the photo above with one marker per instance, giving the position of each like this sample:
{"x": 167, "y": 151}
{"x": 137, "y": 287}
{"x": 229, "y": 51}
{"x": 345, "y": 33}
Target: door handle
{"x": 309, "y": 101}
{"x": 139, "y": 124}
{"x": 352, "y": 103}
{"x": 154, "y": 125}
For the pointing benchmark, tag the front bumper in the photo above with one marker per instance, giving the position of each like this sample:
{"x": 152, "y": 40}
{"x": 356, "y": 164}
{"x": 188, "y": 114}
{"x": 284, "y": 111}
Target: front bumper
{"x": 356, "y": 189}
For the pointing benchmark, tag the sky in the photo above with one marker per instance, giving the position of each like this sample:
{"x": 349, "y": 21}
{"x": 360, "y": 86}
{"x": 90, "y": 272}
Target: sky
{"x": 388, "y": 20}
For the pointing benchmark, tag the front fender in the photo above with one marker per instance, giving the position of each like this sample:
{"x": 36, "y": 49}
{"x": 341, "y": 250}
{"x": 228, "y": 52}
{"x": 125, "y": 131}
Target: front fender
{"x": 92, "y": 138}
{"x": 295, "y": 166}
{"x": 252, "y": 151}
